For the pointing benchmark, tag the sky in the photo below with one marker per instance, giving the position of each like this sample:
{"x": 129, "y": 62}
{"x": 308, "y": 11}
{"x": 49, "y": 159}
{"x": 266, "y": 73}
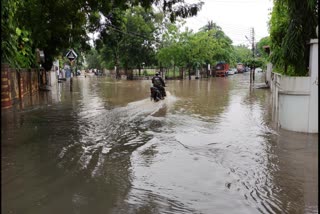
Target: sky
{"x": 235, "y": 17}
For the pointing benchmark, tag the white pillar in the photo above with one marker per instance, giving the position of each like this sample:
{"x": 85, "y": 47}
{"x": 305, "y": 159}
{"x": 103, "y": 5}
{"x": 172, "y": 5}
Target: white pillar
{"x": 163, "y": 75}
{"x": 313, "y": 101}
{"x": 268, "y": 73}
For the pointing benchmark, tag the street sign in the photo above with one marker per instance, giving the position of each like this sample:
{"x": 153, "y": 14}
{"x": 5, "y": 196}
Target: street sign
{"x": 40, "y": 56}
{"x": 71, "y": 55}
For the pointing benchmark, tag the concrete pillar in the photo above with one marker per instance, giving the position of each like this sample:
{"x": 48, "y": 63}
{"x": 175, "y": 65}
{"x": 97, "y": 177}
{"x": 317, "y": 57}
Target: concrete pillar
{"x": 268, "y": 73}
{"x": 313, "y": 101}
{"x": 163, "y": 75}
{"x": 5, "y": 87}
{"x": 197, "y": 74}
{"x": 20, "y": 85}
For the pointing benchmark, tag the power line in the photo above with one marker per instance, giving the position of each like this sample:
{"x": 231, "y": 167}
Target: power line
{"x": 201, "y": 20}
{"x": 127, "y": 33}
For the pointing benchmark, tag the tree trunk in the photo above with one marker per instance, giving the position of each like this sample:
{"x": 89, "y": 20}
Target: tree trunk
{"x": 285, "y": 68}
{"x": 116, "y": 63}
{"x": 253, "y": 73}
{"x": 161, "y": 68}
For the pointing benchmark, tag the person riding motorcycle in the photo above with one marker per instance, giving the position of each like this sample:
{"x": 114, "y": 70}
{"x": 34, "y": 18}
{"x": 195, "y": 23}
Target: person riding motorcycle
{"x": 159, "y": 83}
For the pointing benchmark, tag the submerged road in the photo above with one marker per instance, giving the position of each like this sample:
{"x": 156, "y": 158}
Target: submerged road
{"x": 209, "y": 147}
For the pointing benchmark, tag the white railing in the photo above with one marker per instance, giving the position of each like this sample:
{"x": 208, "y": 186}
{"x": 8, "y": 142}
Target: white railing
{"x": 295, "y": 99}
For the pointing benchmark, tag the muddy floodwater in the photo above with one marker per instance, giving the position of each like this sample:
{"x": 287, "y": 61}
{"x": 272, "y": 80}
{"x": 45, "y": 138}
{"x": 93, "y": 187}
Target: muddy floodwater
{"x": 210, "y": 147}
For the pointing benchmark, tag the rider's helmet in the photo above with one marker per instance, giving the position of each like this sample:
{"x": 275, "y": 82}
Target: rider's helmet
{"x": 157, "y": 73}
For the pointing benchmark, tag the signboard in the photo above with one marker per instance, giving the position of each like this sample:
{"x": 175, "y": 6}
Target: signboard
{"x": 71, "y": 55}
{"x": 40, "y": 56}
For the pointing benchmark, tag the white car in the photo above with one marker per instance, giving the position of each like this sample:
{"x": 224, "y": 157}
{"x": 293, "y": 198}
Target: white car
{"x": 231, "y": 72}
{"x": 235, "y": 70}
{"x": 258, "y": 70}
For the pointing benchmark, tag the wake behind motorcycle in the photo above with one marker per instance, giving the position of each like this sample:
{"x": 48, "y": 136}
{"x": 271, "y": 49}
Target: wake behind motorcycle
{"x": 157, "y": 88}
{"x": 157, "y": 94}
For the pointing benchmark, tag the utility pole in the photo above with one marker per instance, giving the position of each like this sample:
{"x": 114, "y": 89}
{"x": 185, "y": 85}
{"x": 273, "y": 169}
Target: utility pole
{"x": 252, "y": 68}
{"x": 71, "y": 67}
{"x": 253, "y": 50}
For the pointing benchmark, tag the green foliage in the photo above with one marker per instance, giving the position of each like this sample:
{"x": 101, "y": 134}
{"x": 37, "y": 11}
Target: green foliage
{"x": 93, "y": 60}
{"x": 130, "y": 40}
{"x": 254, "y": 62}
{"x": 241, "y": 54}
{"x": 195, "y": 50}
{"x": 55, "y": 26}
{"x": 138, "y": 47}
{"x": 25, "y": 57}
{"x": 8, "y": 35}
{"x": 16, "y": 44}
{"x": 260, "y": 50}
{"x": 210, "y": 26}
{"x": 292, "y": 25}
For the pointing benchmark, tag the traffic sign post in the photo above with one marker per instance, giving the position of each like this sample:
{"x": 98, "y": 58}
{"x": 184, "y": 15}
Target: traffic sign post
{"x": 71, "y": 55}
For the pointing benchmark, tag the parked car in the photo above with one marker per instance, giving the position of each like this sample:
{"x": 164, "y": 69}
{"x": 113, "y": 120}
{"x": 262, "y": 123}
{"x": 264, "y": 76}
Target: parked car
{"x": 221, "y": 69}
{"x": 98, "y": 73}
{"x": 259, "y": 70}
{"x": 240, "y": 68}
{"x": 231, "y": 72}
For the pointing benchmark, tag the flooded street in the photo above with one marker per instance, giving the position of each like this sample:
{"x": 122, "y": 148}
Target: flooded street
{"x": 209, "y": 147}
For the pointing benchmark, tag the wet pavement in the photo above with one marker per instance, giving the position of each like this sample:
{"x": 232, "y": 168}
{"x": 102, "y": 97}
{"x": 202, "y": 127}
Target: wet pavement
{"x": 105, "y": 147}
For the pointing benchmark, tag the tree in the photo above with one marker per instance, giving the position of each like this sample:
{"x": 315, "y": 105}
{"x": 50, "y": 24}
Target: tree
{"x": 93, "y": 59}
{"x": 170, "y": 52}
{"x": 56, "y": 25}
{"x": 254, "y": 62}
{"x": 112, "y": 37}
{"x": 241, "y": 54}
{"x": 292, "y": 25}
{"x": 210, "y": 26}
{"x": 138, "y": 48}
{"x": 15, "y": 40}
{"x": 130, "y": 41}
{"x": 260, "y": 50}
{"x": 195, "y": 50}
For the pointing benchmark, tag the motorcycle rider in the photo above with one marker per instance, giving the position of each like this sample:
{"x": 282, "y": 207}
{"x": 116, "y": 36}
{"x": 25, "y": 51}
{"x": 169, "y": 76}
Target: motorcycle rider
{"x": 159, "y": 83}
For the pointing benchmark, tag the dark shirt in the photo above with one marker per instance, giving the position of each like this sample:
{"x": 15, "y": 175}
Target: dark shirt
{"x": 158, "y": 81}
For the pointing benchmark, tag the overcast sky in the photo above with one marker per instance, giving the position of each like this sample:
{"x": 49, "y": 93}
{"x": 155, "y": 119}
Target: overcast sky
{"x": 235, "y": 17}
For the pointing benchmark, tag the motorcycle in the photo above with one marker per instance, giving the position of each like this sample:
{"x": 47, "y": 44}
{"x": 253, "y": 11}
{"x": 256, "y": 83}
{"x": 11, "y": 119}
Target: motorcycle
{"x": 156, "y": 94}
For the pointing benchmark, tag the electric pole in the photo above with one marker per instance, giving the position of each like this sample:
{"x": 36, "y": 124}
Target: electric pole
{"x": 253, "y": 67}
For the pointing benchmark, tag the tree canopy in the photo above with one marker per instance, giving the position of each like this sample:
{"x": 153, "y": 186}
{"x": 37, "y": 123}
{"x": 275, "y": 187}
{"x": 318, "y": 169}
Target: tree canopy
{"x": 56, "y": 25}
{"x": 292, "y": 25}
{"x": 241, "y": 53}
{"x": 195, "y": 50}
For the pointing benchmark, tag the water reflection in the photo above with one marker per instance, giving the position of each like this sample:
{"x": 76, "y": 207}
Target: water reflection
{"x": 105, "y": 147}
{"x": 203, "y": 97}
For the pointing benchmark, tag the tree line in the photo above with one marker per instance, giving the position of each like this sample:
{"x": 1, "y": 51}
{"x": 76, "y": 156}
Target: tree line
{"x": 133, "y": 34}
{"x": 148, "y": 38}
{"x": 54, "y": 26}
